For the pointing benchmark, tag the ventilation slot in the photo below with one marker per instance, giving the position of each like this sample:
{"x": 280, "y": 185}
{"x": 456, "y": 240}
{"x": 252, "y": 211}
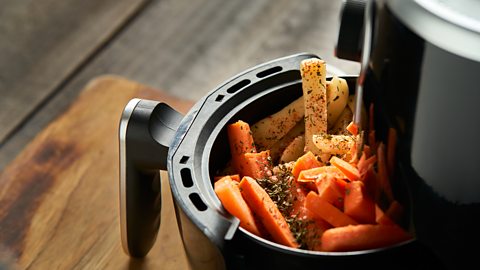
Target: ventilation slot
{"x": 219, "y": 98}
{"x": 186, "y": 177}
{"x": 184, "y": 159}
{"x": 197, "y": 201}
{"x": 269, "y": 71}
{"x": 238, "y": 86}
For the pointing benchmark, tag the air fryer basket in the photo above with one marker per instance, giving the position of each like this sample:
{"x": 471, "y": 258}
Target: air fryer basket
{"x": 199, "y": 149}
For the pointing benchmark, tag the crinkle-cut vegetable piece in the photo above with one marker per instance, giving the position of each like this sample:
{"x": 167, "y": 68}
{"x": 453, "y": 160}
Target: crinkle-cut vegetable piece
{"x": 324, "y": 210}
{"x": 363, "y": 236}
{"x": 314, "y": 81}
{"x": 350, "y": 171}
{"x": 294, "y": 150}
{"x": 334, "y": 144}
{"x": 272, "y": 128}
{"x": 229, "y": 194}
{"x": 330, "y": 191}
{"x": 268, "y": 213}
{"x": 307, "y": 161}
{"x": 358, "y": 204}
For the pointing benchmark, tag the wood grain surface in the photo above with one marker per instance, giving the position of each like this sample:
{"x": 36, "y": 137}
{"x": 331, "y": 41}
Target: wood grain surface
{"x": 59, "y": 197}
{"x": 186, "y": 47}
{"x": 44, "y": 42}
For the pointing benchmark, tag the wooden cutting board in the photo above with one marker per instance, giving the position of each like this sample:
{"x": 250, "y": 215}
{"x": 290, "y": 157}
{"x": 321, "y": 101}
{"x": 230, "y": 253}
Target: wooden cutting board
{"x": 59, "y": 197}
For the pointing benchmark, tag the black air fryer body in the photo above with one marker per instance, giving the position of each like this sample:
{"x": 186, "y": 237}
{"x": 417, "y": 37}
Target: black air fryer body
{"x": 421, "y": 76}
{"x": 421, "y": 88}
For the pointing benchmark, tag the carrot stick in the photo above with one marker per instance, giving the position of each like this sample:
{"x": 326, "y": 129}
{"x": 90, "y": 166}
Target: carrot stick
{"x": 383, "y": 178}
{"x": 240, "y": 138}
{"x": 261, "y": 204}
{"x": 352, "y": 128}
{"x": 357, "y": 203}
{"x": 372, "y": 141}
{"x": 371, "y": 122}
{"x": 310, "y": 175}
{"x": 363, "y": 236}
{"x": 391, "y": 148}
{"x": 348, "y": 169}
{"x": 329, "y": 191}
{"x": 229, "y": 194}
{"x": 234, "y": 177}
{"x": 307, "y": 161}
{"x": 395, "y": 211}
{"x": 381, "y": 217}
{"x": 322, "y": 209}
{"x": 257, "y": 165}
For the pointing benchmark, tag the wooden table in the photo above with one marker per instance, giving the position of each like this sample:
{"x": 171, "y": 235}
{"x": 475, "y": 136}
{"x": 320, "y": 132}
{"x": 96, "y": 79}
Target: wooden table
{"x": 59, "y": 112}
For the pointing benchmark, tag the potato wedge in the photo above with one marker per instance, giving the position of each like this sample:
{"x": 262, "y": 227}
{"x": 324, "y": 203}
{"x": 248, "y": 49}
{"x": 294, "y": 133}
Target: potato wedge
{"x": 334, "y": 144}
{"x": 294, "y": 150}
{"x": 339, "y": 128}
{"x": 314, "y": 81}
{"x": 277, "y": 149}
{"x": 271, "y": 129}
{"x": 337, "y": 99}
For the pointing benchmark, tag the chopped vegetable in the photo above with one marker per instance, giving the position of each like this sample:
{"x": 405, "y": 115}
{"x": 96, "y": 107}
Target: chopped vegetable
{"x": 358, "y": 204}
{"x": 334, "y": 144}
{"x": 350, "y": 171}
{"x": 307, "y": 161}
{"x": 294, "y": 150}
{"x": 313, "y": 72}
{"x": 362, "y": 236}
{"x": 267, "y": 211}
{"x": 271, "y": 129}
{"x": 304, "y": 184}
{"x": 324, "y": 210}
{"x": 229, "y": 194}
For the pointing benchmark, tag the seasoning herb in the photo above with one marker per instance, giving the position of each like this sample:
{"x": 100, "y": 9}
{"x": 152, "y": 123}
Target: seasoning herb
{"x": 301, "y": 231}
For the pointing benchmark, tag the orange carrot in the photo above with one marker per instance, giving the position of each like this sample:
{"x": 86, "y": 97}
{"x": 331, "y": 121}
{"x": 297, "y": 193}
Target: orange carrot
{"x": 364, "y": 163}
{"x": 381, "y": 217}
{"x": 257, "y": 165}
{"x": 234, "y": 177}
{"x": 329, "y": 191}
{"x": 395, "y": 211}
{"x": 322, "y": 209}
{"x": 229, "y": 194}
{"x": 352, "y": 128}
{"x": 261, "y": 204}
{"x": 391, "y": 148}
{"x": 311, "y": 175}
{"x": 363, "y": 236}
{"x": 372, "y": 141}
{"x": 370, "y": 179}
{"x": 357, "y": 203}
{"x": 240, "y": 138}
{"x": 307, "y": 161}
{"x": 348, "y": 169}
{"x": 383, "y": 178}
{"x": 315, "y": 226}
